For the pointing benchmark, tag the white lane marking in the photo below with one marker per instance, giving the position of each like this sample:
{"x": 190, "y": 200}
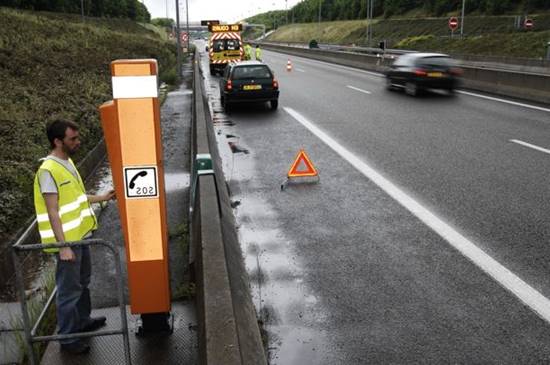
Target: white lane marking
{"x": 504, "y": 101}
{"x": 360, "y": 90}
{"x": 530, "y": 145}
{"x": 300, "y": 70}
{"x": 523, "y": 291}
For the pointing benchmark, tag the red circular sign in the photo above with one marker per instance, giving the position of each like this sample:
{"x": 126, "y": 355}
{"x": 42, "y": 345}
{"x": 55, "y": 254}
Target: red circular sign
{"x": 453, "y": 22}
{"x": 528, "y": 24}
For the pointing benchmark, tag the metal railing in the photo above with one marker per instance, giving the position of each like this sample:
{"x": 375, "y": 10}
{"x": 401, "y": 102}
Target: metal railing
{"x": 31, "y": 334}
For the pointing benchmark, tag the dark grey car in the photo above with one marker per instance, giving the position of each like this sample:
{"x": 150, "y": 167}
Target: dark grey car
{"x": 248, "y": 82}
{"x": 420, "y": 71}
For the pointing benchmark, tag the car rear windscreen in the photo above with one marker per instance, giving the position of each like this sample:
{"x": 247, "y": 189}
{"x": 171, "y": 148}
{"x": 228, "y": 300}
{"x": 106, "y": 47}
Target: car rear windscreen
{"x": 251, "y": 72}
{"x": 436, "y": 62}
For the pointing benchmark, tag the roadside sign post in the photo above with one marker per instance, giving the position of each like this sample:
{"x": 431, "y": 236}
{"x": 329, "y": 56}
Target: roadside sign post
{"x": 453, "y": 24}
{"x": 131, "y": 125}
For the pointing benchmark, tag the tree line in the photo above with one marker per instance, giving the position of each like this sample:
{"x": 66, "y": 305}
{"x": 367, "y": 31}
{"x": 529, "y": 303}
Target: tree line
{"x": 308, "y": 10}
{"x": 131, "y": 9}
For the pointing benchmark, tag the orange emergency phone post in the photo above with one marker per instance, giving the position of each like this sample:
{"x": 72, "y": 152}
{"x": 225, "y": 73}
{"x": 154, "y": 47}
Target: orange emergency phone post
{"x": 131, "y": 125}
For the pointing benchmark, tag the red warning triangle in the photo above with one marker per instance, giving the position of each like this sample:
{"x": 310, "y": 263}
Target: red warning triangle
{"x": 302, "y": 166}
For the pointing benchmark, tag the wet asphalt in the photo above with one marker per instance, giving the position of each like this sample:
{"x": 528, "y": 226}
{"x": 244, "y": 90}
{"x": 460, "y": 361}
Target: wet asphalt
{"x": 340, "y": 272}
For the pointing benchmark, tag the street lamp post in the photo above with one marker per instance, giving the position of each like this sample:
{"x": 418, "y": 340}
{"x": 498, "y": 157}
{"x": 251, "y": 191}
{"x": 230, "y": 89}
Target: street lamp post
{"x": 286, "y": 12}
{"x": 178, "y": 40}
{"x": 273, "y": 16}
{"x": 462, "y": 19}
{"x": 187, "y": 23}
{"x": 370, "y": 11}
{"x": 319, "y": 21}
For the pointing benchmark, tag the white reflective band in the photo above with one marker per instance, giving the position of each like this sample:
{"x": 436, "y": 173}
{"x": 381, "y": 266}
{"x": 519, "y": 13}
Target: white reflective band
{"x": 64, "y": 209}
{"x": 48, "y": 233}
{"x": 132, "y": 87}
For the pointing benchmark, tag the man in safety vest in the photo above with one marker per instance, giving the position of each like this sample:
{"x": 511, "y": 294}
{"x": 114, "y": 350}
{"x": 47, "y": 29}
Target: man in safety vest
{"x": 258, "y": 53}
{"x": 64, "y": 214}
{"x": 247, "y": 52}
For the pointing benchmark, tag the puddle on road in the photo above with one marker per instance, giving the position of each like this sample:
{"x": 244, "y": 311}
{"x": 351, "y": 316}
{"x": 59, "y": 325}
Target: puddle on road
{"x": 235, "y": 148}
{"x": 291, "y": 313}
{"x": 221, "y": 121}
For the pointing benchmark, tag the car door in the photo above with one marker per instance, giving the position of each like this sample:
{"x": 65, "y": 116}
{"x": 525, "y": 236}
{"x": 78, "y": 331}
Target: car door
{"x": 398, "y": 72}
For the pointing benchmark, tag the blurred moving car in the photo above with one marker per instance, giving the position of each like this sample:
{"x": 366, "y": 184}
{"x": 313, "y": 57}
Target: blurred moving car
{"x": 420, "y": 71}
{"x": 248, "y": 82}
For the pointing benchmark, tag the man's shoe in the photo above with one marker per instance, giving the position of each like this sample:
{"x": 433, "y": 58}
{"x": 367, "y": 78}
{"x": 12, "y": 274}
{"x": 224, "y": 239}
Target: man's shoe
{"x": 75, "y": 348}
{"x": 94, "y": 324}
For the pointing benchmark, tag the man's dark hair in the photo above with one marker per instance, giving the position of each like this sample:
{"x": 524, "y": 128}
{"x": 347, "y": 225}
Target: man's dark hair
{"x": 57, "y": 129}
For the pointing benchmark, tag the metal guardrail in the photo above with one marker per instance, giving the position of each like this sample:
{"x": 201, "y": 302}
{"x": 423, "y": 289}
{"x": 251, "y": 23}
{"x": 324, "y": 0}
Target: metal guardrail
{"x": 30, "y": 334}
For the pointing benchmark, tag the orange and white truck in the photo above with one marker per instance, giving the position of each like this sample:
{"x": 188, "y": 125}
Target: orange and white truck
{"x": 224, "y": 46}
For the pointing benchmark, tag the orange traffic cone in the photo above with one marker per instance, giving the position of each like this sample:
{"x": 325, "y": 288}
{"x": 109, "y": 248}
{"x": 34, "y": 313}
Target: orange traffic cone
{"x": 289, "y": 66}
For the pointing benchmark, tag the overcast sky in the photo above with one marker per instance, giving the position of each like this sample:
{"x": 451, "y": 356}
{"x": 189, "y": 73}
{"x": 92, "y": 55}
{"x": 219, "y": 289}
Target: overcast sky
{"x": 224, "y": 10}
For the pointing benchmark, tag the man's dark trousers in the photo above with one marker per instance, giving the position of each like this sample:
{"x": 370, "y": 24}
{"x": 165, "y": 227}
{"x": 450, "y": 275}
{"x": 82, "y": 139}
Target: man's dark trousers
{"x": 73, "y": 296}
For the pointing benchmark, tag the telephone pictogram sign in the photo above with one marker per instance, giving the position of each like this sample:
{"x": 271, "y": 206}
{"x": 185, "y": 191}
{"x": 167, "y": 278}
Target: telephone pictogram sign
{"x": 141, "y": 182}
{"x": 302, "y": 166}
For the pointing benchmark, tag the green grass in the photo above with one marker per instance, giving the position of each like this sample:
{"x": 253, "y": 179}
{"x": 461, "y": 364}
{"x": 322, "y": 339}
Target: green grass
{"x": 185, "y": 289}
{"x": 56, "y": 65}
{"x": 35, "y": 307}
{"x": 493, "y": 35}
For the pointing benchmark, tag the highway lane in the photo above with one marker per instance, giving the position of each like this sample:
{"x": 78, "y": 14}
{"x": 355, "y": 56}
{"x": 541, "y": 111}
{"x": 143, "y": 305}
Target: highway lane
{"x": 341, "y": 272}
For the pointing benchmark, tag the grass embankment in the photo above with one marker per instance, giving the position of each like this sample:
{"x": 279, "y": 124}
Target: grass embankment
{"x": 488, "y": 35}
{"x": 54, "y": 65}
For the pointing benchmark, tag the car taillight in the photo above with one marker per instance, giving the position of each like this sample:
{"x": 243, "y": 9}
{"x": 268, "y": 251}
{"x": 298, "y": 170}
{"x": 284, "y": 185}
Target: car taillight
{"x": 420, "y": 72}
{"x": 455, "y": 71}
{"x": 229, "y": 85}
{"x": 275, "y": 84}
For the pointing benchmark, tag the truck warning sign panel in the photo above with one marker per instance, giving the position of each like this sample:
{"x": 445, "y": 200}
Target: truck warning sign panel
{"x": 213, "y": 28}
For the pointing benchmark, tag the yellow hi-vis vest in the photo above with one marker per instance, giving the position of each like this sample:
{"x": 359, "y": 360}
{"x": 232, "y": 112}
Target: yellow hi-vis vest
{"x": 77, "y": 216}
{"x": 258, "y": 54}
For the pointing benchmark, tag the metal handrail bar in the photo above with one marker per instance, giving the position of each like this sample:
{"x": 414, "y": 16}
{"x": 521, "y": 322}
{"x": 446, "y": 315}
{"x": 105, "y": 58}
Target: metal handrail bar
{"x": 44, "y": 311}
{"x": 79, "y": 334}
{"x": 29, "y": 337}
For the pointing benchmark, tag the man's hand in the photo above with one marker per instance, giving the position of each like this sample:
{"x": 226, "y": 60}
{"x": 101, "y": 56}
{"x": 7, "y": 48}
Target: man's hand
{"x": 103, "y": 197}
{"x": 109, "y": 195}
{"x": 66, "y": 254}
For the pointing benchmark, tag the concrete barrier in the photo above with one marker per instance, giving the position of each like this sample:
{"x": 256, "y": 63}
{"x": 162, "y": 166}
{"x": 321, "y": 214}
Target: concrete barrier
{"x": 523, "y": 85}
{"x": 229, "y": 332}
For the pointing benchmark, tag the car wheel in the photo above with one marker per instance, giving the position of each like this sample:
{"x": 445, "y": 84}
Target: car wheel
{"x": 451, "y": 92}
{"x": 226, "y": 105}
{"x": 274, "y": 104}
{"x": 411, "y": 88}
{"x": 389, "y": 84}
